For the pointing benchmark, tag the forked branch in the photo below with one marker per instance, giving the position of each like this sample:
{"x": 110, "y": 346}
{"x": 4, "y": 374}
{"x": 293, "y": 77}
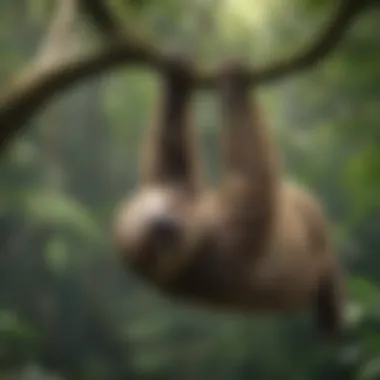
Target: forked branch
{"x": 39, "y": 84}
{"x": 314, "y": 53}
{"x": 53, "y": 70}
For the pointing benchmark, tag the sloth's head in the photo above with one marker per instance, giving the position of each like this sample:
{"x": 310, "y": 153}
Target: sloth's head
{"x": 154, "y": 233}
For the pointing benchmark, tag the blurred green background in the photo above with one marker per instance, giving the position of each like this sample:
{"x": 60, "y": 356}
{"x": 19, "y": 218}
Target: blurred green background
{"x": 68, "y": 311}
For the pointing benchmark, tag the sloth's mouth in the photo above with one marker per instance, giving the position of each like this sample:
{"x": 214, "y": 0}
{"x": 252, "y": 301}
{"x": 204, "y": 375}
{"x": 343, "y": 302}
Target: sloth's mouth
{"x": 165, "y": 237}
{"x": 166, "y": 231}
{"x": 160, "y": 260}
{"x": 162, "y": 249}
{"x": 162, "y": 242}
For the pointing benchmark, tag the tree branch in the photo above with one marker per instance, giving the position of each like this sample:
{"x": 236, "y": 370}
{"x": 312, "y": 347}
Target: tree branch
{"x": 318, "y": 50}
{"x": 322, "y": 46}
{"x": 38, "y": 85}
{"x": 54, "y": 69}
{"x": 35, "y": 87}
{"x": 101, "y": 17}
{"x": 58, "y": 40}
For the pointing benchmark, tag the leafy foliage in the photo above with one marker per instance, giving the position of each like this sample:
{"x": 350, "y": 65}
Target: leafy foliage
{"x": 69, "y": 310}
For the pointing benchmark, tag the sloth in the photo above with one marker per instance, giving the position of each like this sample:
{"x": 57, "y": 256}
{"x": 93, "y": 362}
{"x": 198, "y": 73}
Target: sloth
{"x": 256, "y": 243}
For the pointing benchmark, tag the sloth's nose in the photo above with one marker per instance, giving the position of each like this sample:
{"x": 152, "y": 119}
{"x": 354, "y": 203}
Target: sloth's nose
{"x": 166, "y": 230}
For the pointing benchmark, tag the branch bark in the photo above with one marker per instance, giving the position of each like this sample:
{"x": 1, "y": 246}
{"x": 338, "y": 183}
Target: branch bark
{"x": 101, "y": 17}
{"x": 321, "y": 47}
{"x": 312, "y": 55}
{"x": 39, "y": 84}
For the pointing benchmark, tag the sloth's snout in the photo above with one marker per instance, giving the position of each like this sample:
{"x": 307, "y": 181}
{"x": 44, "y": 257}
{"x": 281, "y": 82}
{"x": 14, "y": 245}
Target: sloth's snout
{"x": 166, "y": 231}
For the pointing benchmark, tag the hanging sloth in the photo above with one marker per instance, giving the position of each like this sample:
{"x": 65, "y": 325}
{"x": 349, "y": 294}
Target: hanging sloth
{"x": 256, "y": 243}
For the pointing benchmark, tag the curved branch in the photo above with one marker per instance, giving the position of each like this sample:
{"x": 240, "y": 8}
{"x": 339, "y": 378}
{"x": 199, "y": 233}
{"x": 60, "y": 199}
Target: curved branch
{"x": 35, "y": 87}
{"x": 321, "y": 47}
{"x": 318, "y": 50}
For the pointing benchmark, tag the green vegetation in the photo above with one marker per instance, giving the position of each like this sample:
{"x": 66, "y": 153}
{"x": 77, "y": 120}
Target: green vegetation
{"x": 69, "y": 311}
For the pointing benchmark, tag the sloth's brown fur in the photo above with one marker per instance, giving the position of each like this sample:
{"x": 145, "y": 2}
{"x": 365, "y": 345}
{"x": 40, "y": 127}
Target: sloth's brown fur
{"x": 257, "y": 243}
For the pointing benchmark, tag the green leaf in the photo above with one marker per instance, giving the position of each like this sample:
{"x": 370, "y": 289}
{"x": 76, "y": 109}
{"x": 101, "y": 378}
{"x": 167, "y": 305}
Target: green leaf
{"x": 362, "y": 182}
{"x": 56, "y": 209}
{"x": 56, "y": 254}
{"x": 364, "y": 292}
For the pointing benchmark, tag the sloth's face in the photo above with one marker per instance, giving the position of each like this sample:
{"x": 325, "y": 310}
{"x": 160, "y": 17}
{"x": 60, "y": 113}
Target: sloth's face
{"x": 153, "y": 232}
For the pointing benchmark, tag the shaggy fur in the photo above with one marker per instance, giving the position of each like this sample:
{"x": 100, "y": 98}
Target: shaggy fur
{"x": 257, "y": 243}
